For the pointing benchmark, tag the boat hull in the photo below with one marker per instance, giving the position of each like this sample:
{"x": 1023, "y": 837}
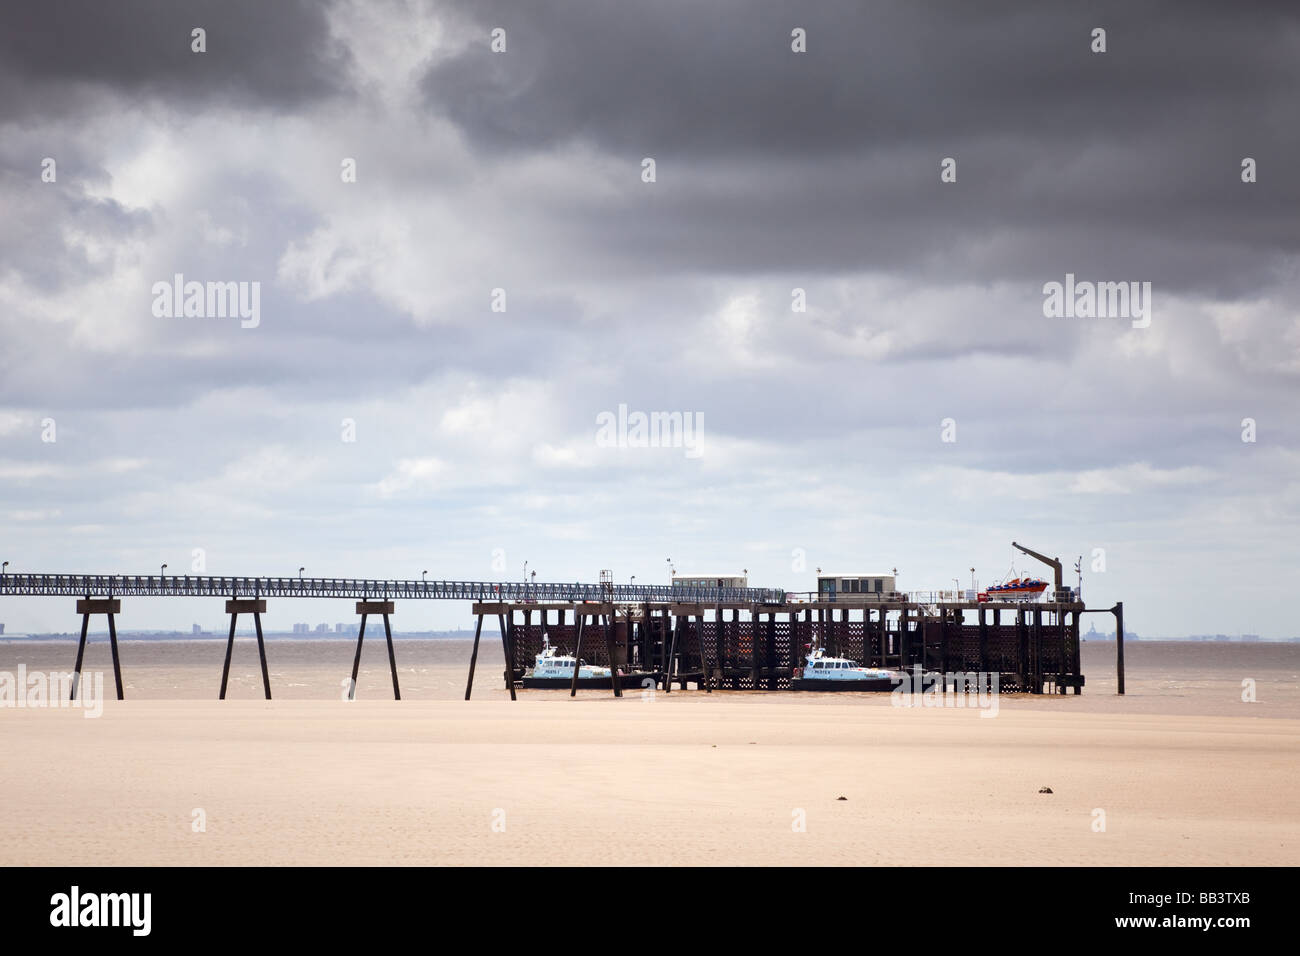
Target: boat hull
{"x": 625, "y": 682}
{"x": 875, "y": 684}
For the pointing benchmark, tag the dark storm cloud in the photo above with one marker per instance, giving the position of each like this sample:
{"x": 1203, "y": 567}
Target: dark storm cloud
{"x": 62, "y": 55}
{"x": 1112, "y": 164}
{"x": 685, "y": 77}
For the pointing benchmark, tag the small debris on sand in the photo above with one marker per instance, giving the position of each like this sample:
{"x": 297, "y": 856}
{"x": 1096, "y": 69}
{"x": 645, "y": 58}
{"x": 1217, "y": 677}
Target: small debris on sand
{"x": 1044, "y": 789}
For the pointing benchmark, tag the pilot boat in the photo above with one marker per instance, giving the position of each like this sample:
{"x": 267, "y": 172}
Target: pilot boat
{"x": 551, "y": 668}
{"x": 824, "y": 672}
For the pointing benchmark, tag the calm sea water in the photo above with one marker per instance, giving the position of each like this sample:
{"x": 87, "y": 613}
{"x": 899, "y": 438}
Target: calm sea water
{"x": 1161, "y": 677}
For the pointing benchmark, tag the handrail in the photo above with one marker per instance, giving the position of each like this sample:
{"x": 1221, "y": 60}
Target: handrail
{"x": 27, "y": 584}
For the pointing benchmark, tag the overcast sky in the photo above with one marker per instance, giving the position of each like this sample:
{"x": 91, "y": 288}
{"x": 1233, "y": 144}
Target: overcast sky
{"x": 522, "y": 170}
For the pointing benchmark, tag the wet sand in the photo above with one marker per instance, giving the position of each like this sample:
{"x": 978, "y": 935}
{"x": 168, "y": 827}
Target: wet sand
{"x": 748, "y": 778}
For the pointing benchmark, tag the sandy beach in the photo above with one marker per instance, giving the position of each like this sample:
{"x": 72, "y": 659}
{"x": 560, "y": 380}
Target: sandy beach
{"x": 746, "y": 778}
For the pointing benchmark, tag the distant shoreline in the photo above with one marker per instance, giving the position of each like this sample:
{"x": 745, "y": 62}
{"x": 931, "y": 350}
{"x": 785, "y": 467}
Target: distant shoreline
{"x": 285, "y": 636}
{"x": 208, "y": 636}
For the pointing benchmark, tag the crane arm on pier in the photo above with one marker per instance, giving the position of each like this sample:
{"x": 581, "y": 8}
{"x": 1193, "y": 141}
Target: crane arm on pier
{"x": 1053, "y": 563}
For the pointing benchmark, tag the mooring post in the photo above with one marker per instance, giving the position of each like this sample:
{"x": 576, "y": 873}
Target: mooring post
{"x": 473, "y": 657}
{"x": 581, "y": 616}
{"x": 507, "y": 648}
{"x": 1119, "y": 643}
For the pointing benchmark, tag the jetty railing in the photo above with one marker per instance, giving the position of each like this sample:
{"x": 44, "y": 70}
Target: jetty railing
{"x": 190, "y": 585}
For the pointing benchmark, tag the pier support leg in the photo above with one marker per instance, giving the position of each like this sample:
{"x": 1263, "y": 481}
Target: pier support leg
{"x": 473, "y": 657}
{"x": 109, "y": 607}
{"x": 230, "y": 648}
{"x": 356, "y": 660}
{"x": 392, "y": 658}
{"x": 1074, "y": 642}
{"x": 261, "y": 653}
{"x": 1022, "y": 641}
{"x": 904, "y": 641}
{"x": 255, "y": 607}
{"x": 507, "y": 647}
{"x": 984, "y": 640}
{"x": 577, "y": 653}
{"x": 670, "y": 638}
{"x": 1062, "y": 662}
{"x": 117, "y": 664}
{"x": 81, "y": 650}
{"x": 720, "y": 647}
{"x": 609, "y": 644}
{"x": 1119, "y": 646}
{"x": 945, "y": 632}
{"x": 706, "y": 677}
{"x": 771, "y": 651}
{"x": 385, "y": 609}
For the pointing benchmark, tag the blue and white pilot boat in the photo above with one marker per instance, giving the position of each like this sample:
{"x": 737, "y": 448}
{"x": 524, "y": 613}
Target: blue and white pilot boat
{"x": 551, "y": 668}
{"x": 824, "y": 672}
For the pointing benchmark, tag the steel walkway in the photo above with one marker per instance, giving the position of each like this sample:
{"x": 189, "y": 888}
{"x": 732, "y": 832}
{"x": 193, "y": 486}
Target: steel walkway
{"x": 189, "y": 585}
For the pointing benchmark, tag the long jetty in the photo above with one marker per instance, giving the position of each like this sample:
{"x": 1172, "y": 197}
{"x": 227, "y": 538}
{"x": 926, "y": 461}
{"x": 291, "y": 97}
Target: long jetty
{"x": 651, "y": 635}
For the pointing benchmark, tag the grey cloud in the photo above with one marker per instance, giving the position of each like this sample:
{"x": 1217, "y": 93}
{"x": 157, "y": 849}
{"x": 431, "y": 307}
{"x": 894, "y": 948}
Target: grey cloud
{"x": 774, "y": 171}
{"x": 1114, "y": 163}
{"x": 63, "y": 56}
